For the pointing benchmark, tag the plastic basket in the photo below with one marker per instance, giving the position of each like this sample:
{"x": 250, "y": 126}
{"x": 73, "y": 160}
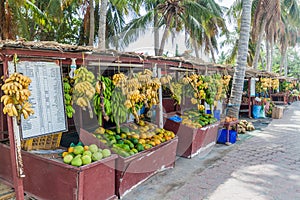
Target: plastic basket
{"x": 47, "y": 142}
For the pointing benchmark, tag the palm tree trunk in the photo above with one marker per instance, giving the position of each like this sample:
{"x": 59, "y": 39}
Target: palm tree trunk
{"x": 102, "y": 24}
{"x": 2, "y": 19}
{"x": 196, "y": 47}
{"x": 258, "y": 44}
{"x": 164, "y": 39}
{"x": 156, "y": 34}
{"x": 271, "y": 54}
{"x": 211, "y": 50}
{"x": 92, "y": 23}
{"x": 239, "y": 73}
{"x": 282, "y": 59}
{"x": 268, "y": 56}
{"x": 285, "y": 65}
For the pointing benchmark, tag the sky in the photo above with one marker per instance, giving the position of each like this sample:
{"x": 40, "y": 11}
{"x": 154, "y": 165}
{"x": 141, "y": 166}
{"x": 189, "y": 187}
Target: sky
{"x": 226, "y": 3}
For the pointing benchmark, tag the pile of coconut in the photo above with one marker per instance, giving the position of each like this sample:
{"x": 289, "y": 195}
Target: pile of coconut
{"x": 244, "y": 126}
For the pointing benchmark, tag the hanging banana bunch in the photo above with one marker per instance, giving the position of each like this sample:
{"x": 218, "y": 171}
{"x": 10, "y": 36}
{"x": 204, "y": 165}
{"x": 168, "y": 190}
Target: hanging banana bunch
{"x": 68, "y": 92}
{"x": 118, "y": 109}
{"x": 102, "y": 103}
{"x": 84, "y": 90}
{"x": 16, "y": 94}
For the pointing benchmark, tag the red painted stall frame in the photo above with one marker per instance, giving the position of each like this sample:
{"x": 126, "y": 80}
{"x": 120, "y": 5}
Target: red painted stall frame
{"x": 193, "y": 141}
{"x": 52, "y": 179}
{"x": 135, "y": 169}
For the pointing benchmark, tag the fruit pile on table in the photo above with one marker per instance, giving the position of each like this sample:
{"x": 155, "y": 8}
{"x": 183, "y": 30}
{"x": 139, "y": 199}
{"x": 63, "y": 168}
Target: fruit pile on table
{"x": 133, "y": 138}
{"x": 78, "y": 155}
{"x": 196, "y": 119}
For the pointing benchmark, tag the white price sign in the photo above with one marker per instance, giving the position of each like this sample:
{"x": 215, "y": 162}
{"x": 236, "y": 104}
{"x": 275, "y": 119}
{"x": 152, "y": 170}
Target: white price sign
{"x": 47, "y": 98}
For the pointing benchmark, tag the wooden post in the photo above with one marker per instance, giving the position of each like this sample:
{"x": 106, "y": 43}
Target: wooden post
{"x": 15, "y": 150}
{"x": 249, "y": 97}
{"x": 160, "y": 106}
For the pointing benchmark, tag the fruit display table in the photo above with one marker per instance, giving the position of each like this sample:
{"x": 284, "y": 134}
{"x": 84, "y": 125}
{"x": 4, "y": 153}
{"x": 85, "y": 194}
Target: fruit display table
{"x": 49, "y": 178}
{"x": 280, "y": 98}
{"x": 193, "y": 141}
{"x": 133, "y": 170}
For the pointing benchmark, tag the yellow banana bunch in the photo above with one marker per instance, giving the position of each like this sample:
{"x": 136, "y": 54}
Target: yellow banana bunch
{"x": 201, "y": 107}
{"x": 275, "y": 84}
{"x": 82, "y": 102}
{"x": 84, "y": 90}
{"x": 165, "y": 79}
{"x": 83, "y": 74}
{"x": 266, "y": 83}
{"x": 226, "y": 80}
{"x": 194, "y": 101}
{"x": 119, "y": 79}
{"x": 186, "y": 80}
{"x": 16, "y": 94}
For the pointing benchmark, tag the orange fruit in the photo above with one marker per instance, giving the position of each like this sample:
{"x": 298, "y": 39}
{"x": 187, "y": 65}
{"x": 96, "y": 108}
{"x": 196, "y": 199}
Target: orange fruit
{"x": 86, "y": 147}
{"x": 157, "y": 141}
{"x": 64, "y": 154}
{"x": 71, "y": 149}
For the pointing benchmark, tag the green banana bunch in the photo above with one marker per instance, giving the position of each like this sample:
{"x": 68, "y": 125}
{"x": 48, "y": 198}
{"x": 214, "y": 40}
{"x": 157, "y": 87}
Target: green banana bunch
{"x": 97, "y": 107}
{"x": 119, "y": 111}
{"x": 68, "y": 92}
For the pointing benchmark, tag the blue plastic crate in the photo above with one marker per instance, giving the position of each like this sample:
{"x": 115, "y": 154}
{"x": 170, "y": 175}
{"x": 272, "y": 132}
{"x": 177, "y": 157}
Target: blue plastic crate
{"x": 176, "y": 118}
{"x": 222, "y": 136}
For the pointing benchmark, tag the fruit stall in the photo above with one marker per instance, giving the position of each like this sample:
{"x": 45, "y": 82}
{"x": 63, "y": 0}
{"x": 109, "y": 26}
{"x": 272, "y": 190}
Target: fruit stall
{"x": 196, "y": 128}
{"x": 112, "y": 102}
{"x": 258, "y": 87}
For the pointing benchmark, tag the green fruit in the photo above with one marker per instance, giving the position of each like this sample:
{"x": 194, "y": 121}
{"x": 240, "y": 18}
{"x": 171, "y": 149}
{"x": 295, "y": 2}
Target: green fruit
{"x": 139, "y": 147}
{"x": 134, "y": 150}
{"x": 120, "y": 142}
{"x": 89, "y": 153}
{"x": 68, "y": 158}
{"x": 77, "y": 162}
{"x": 86, "y": 159}
{"x": 78, "y": 150}
{"x": 134, "y": 140}
{"x": 106, "y": 153}
{"x": 93, "y": 148}
{"x": 97, "y": 156}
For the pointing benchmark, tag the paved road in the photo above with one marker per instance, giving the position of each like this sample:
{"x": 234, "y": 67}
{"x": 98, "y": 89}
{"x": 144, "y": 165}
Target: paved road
{"x": 263, "y": 167}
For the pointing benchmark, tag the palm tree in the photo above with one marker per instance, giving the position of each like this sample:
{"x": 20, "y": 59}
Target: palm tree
{"x": 92, "y": 23}
{"x": 290, "y": 17}
{"x": 239, "y": 74}
{"x": 102, "y": 24}
{"x": 176, "y": 16}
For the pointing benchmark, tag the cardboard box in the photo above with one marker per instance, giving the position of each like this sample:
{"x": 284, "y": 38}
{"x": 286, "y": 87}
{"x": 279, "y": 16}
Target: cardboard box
{"x": 277, "y": 112}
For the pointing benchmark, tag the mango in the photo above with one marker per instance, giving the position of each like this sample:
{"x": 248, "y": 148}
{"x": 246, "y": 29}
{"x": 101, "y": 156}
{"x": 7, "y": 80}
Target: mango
{"x": 78, "y": 150}
{"x": 93, "y": 148}
{"x": 77, "y": 162}
{"x": 106, "y": 153}
{"x": 86, "y": 159}
{"x": 89, "y": 153}
{"x": 68, "y": 158}
{"x": 97, "y": 156}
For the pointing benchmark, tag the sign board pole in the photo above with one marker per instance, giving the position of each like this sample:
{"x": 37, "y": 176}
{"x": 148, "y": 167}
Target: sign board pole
{"x": 15, "y": 154}
{"x": 160, "y": 106}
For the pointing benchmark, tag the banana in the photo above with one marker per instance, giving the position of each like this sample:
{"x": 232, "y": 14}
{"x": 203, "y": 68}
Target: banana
{"x": 25, "y": 114}
{"x": 15, "y": 112}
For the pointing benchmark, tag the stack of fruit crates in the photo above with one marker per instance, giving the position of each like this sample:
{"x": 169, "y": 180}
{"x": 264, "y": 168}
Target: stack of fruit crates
{"x": 47, "y": 142}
